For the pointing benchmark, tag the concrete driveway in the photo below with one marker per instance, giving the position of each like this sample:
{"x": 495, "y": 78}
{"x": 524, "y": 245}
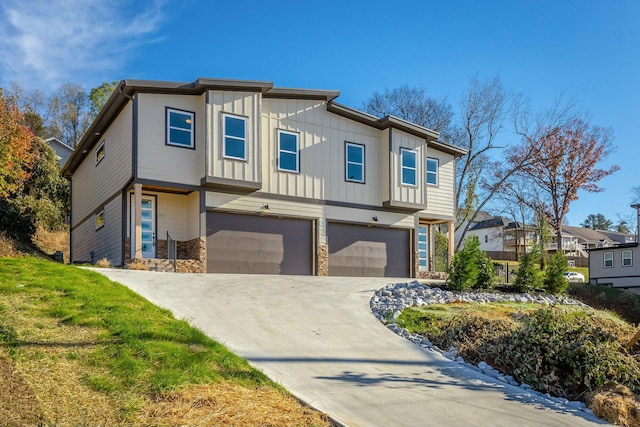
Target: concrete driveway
{"x": 318, "y": 338}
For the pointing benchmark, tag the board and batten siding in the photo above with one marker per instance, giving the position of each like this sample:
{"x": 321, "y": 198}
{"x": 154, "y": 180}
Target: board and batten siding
{"x": 441, "y": 198}
{"x": 105, "y": 242}
{"x": 93, "y": 184}
{"x": 322, "y": 213}
{"x": 244, "y": 104}
{"x": 407, "y": 193}
{"x": 321, "y": 143}
{"x": 166, "y": 163}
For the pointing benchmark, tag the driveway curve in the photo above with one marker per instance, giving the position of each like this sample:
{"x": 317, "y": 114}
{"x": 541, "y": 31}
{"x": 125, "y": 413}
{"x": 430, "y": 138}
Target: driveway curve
{"x": 318, "y": 338}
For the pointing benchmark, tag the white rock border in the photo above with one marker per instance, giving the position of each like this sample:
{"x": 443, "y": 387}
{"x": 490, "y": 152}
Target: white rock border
{"x": 387, "y": 304}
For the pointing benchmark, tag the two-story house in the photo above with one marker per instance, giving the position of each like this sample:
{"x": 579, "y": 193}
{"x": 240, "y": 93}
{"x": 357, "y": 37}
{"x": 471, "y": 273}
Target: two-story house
{"x": 247, "y": 177}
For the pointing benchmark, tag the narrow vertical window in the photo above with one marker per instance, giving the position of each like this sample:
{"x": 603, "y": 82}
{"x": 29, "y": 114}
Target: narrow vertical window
{"x": 627, "y": 258}
{"x": 422, "y": 247}
{"x": 288, "y": 160}
{"x": 432, "y": 171}
{"x": 100, "y": 220}
{"x": 100, "y": 153}
{"x": 608, "y": 259}
{"x": 408, "y": 166}
{"x": 234, "y": 130}
{"x": 354, "y": 162}
{"x": 180, "y": 128}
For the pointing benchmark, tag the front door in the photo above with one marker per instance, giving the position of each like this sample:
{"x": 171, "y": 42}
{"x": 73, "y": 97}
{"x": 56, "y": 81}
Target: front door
{"x": 148, "y": 224}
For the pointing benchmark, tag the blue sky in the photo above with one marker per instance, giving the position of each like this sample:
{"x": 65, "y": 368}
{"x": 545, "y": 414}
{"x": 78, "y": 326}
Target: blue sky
{"x": 587, "y": 50}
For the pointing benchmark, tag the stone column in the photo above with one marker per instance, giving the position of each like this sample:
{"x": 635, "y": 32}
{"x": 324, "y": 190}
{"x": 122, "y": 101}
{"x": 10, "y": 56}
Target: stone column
{"x": 323, "y": 260}
{"x": 137, "y": 203}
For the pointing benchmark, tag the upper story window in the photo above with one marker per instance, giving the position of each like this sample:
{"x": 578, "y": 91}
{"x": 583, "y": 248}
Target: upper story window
{"x": 608, "y": 259}
{"x": 408, "y": 159}
{"x": 354, "y": 162}
{"x": 180, "y": 128}
{"x": 288, "y": 151}
{"x": 627, "y": 258}
{"x": 100, "y": 153}
{"x": 432, "y": 171}
{"x": 234, "y": 130}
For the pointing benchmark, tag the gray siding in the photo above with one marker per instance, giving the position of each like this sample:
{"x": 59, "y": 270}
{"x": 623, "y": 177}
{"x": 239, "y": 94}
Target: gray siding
{"x": 94, "y": 184}
{"x": 105, "y": 242}
{"x": 161, "y": 162}
{"x": 617, "y": 276}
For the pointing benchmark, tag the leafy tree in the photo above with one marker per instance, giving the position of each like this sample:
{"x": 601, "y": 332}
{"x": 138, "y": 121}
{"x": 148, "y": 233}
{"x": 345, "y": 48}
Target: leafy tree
{"x": 622, "y": 227}
{"x": 554, "y": 281}
{"x": 486, "y": 272}
{"x": 565, "y": 162}
{"x": 528, "y": 277}
{"x": 16, "y": 157}
{"x": 597, "y": 222}
{"x": 99, "y": 95}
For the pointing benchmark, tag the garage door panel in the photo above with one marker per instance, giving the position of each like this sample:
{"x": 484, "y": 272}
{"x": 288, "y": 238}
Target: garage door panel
{"x": 356, "y": 250}
{"x": 254, "y": 244}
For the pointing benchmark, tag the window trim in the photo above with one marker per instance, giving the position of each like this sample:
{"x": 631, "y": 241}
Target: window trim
{"x": 224, "y": 136}
{"x": 630, "y": 258}
{"x": 605, "y": 259}
{"x": 436, "y": 173}
{"x": 100, "y": 148}
{"x": 347, "y": 162}
{"x": 98, "y": 215}
{"x": 167, "y": 128}
{"x": 402, "y": 167}
{"x": 297, "y": 152}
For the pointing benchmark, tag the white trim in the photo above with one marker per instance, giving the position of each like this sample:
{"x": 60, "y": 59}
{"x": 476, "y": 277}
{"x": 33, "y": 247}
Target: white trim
{"x": 604, "y": 258}
{"x": 191, "y": 130}
{"x": 100, "y": 148}
{"x": 297, "y": 152}
{"x": 436, "y": 173}
{"x": 630, "y": 258}
{"x": 347, "y": 162}
{"x": 224, "y": 136}
{"x": 403, "y": 167}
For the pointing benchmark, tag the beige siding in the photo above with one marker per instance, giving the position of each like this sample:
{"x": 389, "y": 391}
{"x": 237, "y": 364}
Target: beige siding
{"x": 441, "y": 197}
{"x": 177, "y": 214}
{"x": 161, "y": 162}
{"x": 245, "y": 104}
{"x": 321, "y": 138}
{"x": 406, "y": 193}
{"x": 105, "y": 242}
{"x": 384, "y": 164}
{"x": 94, "y": 184}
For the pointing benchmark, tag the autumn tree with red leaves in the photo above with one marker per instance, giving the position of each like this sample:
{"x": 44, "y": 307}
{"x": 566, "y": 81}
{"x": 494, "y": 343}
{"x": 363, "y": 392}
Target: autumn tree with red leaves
{"x": 566, "y": 162}
{"x": 16, "y": 156}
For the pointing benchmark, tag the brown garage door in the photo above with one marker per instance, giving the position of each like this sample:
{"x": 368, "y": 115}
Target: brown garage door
{"x": 258, "y": 244}
{"x": 356, "y": 250}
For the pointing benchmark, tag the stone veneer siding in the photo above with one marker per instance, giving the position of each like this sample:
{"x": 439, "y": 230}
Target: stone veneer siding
{"x": 323, "y": 260}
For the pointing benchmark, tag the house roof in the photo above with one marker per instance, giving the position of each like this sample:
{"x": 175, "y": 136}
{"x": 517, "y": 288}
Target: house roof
{"x": 619, "y": 237}
{"x": 494, "y": 222}
{"x": 128, "y": 88}
{"x": 587, "y": 234}
{"x": 622, "y": 246}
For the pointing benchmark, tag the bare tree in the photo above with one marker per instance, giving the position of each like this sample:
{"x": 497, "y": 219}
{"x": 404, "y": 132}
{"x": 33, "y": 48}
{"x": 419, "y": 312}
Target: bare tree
{"x": 564, "y": 162}
{"x": 69, "y": 113}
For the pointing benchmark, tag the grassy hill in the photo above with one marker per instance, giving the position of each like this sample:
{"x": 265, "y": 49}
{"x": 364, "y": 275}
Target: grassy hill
{"x": 78, "y": 349}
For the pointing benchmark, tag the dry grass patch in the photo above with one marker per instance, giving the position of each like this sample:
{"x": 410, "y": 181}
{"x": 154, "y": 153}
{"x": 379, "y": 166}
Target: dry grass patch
{"x": 18, "y": 404}
{"x": 51, "y": 241}
{"x": 225, "y": 404}
{"x": 137, "y": 264}
{"x": 8, "y": 247}
{"x": 618, "y": 405}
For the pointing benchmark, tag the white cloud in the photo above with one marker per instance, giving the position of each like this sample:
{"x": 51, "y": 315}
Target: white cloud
{"x": 44, "y": 43}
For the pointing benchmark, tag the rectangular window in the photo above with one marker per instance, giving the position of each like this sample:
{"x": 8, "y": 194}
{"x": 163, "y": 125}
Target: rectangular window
{"x": 432, "y": 171}
{"x": 100, "y": 220}
{"x": 180, "y": 128}
{"x": 354, "y": 162}
{"x": 100, "y": 153}
{"x": 627, "y": 258}
{"x": 288, "y": 152}
{"x": 234, "y": 130}
{"x": 408, "y": 166}
{"x": 608, "y": 259}
{"x": 422, "y": 247}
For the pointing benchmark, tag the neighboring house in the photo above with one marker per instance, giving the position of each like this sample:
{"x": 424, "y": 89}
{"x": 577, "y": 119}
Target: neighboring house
{"x": 250, "y": 178}
{"x": 63, "y": 151}
{"x": 500, "y": 234}
{"x": 617, "y": 266}
{"x": 576, "y": 241}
